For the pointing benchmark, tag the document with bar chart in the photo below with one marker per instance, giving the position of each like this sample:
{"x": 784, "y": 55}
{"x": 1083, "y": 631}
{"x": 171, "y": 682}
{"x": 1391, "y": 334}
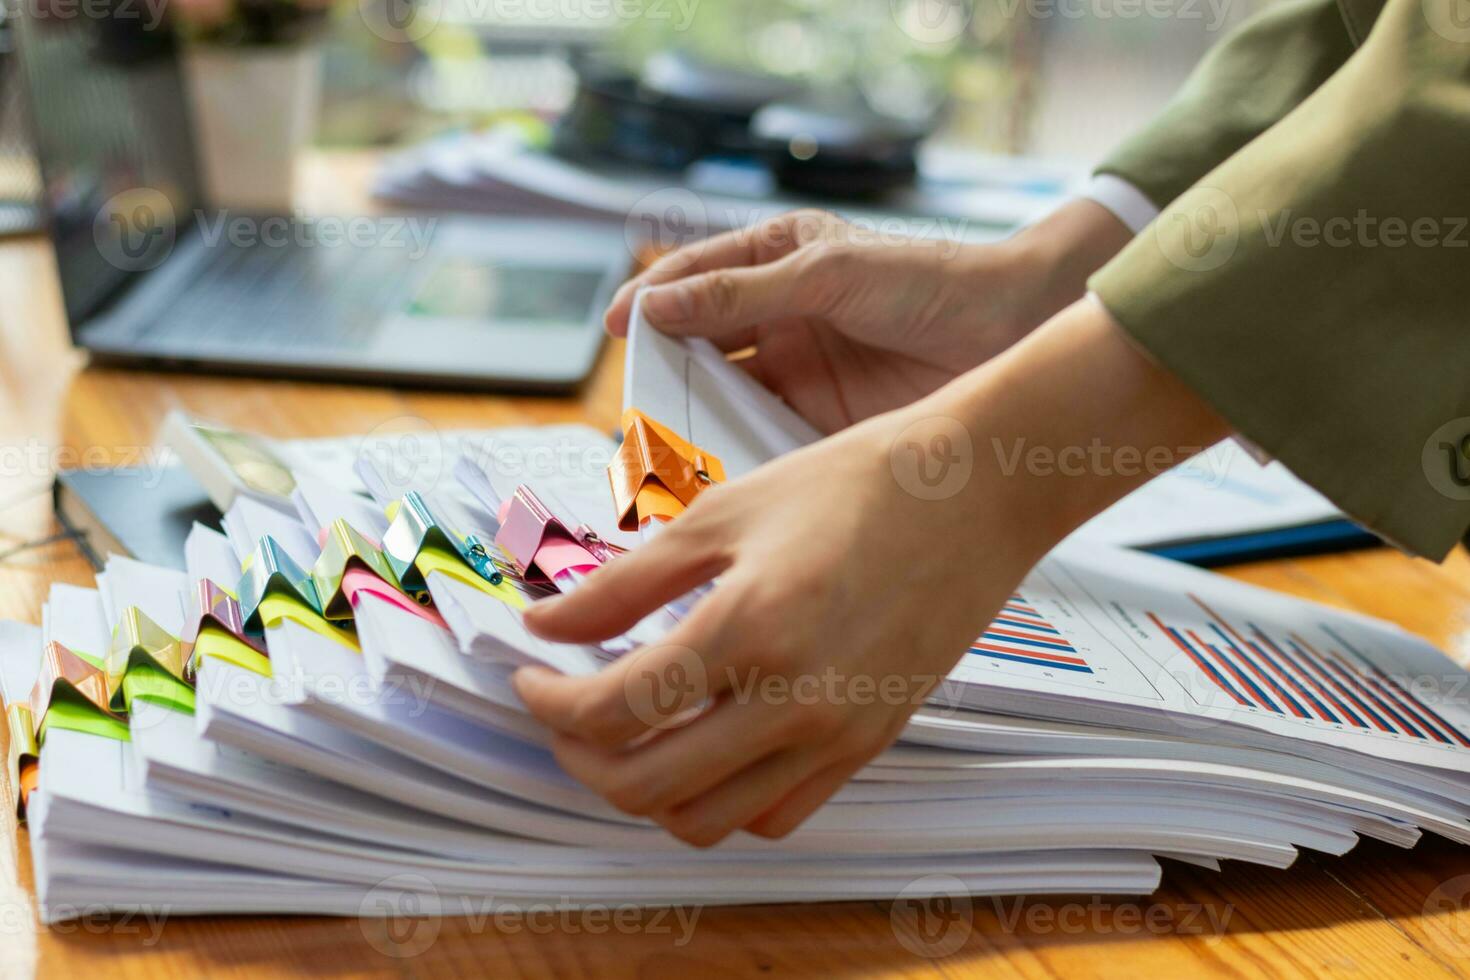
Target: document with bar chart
{"x": 1103, "y": 635}
{"x": 1043, "y": 639}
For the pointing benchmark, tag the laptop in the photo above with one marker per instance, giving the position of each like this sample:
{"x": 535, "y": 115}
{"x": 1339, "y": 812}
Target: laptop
{"x": 152, "y": 274}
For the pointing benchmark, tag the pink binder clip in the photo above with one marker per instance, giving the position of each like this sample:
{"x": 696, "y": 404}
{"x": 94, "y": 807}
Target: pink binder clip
{"x": 543, "y": 549}
{"x": 603, "y": 551}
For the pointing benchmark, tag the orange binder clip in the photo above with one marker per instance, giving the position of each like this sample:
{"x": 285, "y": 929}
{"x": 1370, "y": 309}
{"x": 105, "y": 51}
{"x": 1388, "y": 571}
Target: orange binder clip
{"x": 656, "y": 472}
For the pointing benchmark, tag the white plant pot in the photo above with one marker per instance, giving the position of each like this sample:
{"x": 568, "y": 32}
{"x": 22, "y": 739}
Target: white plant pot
{"x": 254, "y": 110}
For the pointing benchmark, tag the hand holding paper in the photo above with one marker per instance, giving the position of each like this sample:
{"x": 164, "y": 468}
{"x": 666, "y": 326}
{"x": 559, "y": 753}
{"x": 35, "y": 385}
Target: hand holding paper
{"x": 848, "y": 322}
{"x": 797, "y": 604}
{"x": 847, "y": 590}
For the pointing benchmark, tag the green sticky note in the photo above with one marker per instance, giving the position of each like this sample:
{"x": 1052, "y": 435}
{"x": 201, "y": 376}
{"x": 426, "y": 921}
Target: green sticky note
{"x": 78, "y": 716}
{"x": 94, "y": 661}
{"x": 156, "y": 686}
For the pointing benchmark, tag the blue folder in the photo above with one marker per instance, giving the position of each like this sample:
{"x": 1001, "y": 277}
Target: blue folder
{"x": 1304, "y": 539}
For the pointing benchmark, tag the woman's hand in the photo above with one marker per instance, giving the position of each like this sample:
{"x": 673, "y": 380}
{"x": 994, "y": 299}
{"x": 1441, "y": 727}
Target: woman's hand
{"x": 846, "y": 323}
{"x": 852, "y": 575}
{"x": 843, "y": 599}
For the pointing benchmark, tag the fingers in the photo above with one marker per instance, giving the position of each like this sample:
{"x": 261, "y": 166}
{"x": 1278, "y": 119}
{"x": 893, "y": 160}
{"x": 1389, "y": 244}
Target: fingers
{"x": 597, "y": 708}
{"x": 803, "y": 801}
{"x": 687, "y": 738}
{"x": 619, "y": 594}
{"x": 714, "y": 816}
{"x": 724, "y": 304}
{"x": 654, "y": 687}
{"x": 681, "y": 764}
{"x": 738, "y": 765}
{"x": 766, "y": 242}
{"x": 733, "y": 248}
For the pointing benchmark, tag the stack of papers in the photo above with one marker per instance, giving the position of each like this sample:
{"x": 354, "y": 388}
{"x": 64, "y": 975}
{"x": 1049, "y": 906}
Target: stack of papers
{"x": 965, "y": 196}
{"x": 316, "y": 716}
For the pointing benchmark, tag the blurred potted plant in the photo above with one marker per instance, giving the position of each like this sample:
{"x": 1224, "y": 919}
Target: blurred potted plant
{"x": 254, "y": 74}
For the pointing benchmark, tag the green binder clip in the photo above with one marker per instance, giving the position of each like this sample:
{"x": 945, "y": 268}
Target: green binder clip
{"x": 270, "y": 569}
{"x": 343, "y": 549}
{"x": 415, "y": 529}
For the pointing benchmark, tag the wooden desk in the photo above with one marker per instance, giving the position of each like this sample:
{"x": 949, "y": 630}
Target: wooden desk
{"x": 1378, "y": 911}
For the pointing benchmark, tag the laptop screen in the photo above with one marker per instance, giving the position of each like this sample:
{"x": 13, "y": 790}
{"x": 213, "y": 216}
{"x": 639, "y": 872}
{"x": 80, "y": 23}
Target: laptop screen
{"x": 113, "y": 139}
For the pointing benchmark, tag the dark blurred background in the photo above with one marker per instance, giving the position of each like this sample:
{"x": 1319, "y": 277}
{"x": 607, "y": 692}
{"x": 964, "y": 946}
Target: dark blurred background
{"x": 1060, "y": 79}
{"x": 1048, "y": 77}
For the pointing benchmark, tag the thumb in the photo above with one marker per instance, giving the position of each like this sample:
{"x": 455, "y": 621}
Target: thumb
{"x": 617, "y": 596}
{"x": 723, "y": 303}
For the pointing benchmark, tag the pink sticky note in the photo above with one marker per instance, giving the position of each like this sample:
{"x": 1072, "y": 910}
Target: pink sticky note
{"x": 539, "y": 544}
{"x": 557, "y": 555}
{"x": 358, "y": 581}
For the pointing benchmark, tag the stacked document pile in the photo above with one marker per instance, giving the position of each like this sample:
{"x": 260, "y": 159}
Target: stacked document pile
{"x": 957, "y": 195}
{"x": 318, "y": 709}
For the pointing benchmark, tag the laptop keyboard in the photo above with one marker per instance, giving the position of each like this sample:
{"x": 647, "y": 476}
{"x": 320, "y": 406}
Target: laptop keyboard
{"x": 289, "y": 296}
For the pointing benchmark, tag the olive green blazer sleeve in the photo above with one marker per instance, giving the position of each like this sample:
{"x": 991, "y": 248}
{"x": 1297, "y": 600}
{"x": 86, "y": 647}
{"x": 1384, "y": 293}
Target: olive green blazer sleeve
{"x": 1315, "y": 287}
{"x": 1242, "y": 87}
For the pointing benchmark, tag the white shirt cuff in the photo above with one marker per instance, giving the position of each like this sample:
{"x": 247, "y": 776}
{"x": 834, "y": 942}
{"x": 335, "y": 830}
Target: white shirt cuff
{"x": 1127, "y": 202}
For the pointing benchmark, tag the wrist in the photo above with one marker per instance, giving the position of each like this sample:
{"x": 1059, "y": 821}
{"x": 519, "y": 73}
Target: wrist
{"x": 1053, "y": 258}
{"x": 1068, "y": 422}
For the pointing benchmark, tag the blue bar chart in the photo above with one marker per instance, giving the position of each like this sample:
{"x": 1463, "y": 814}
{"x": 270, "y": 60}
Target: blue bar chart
{"x": 1020, "y": 634}
{"x": 1286, "y": 673}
